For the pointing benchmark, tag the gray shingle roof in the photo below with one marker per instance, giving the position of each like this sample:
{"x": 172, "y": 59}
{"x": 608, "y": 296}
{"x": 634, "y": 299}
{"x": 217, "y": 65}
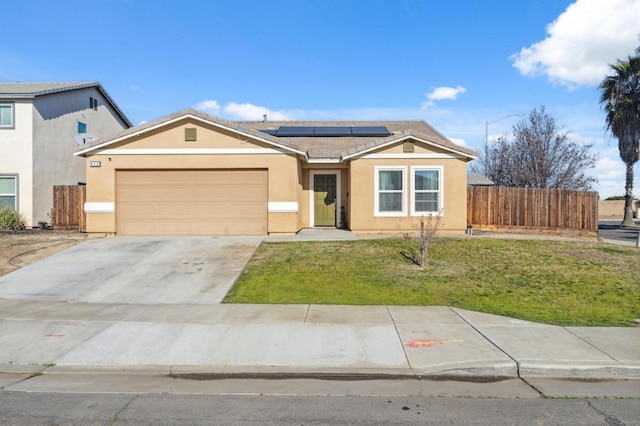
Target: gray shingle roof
{"x": 40, "y": 88}
{"x": 29, "y": 90}
{"x": 314, "y": 147}
{"x": 337, "y": 147}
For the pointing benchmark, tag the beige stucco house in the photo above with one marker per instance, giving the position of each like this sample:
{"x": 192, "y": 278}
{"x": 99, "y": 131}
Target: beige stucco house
{"x": 41, "y": 126}
{"x": 189, "y": 173}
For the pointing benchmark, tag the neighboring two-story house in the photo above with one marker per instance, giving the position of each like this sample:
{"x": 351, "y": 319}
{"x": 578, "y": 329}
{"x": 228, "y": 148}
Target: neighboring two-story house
{"x": 41, "y": 126}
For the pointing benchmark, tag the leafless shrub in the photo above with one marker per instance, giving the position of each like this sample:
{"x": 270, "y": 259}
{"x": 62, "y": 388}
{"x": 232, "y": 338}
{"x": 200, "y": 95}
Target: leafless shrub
{"x": 427, "y": 232}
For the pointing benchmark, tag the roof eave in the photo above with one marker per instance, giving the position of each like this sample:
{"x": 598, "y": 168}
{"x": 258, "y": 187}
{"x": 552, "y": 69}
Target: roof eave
{"x": 115, "y": 106}
{"x": 324, "y": 160}
{"x": 359, "y": 153}
{"x": 177, "y": 117}
{"x": 17, "y": 96}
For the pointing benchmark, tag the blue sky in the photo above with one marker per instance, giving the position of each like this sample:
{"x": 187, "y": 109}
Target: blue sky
{"x": 455, "y": 64}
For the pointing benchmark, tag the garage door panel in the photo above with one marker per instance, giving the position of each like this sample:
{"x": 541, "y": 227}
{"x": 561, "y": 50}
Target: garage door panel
{"x": 249, "y": 193}
{"x": 213, "y": 193}
{"x": 193, "y": 202}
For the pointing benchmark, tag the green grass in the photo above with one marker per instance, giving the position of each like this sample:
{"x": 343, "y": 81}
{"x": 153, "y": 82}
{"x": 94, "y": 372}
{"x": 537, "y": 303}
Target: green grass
{"x": 564, "y": 283}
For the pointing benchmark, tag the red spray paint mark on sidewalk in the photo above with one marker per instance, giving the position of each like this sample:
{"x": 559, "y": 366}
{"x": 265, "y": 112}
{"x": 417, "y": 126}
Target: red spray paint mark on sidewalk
{"x": 424, "y": 343}
{"x": 54, "y": 335}
{"x": 427, "y": 343}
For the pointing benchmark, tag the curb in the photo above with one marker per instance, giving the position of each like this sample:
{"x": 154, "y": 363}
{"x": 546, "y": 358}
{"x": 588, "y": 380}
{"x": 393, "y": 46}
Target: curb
{"x": 557, "y": 370}
{"x": 571, "y": 370}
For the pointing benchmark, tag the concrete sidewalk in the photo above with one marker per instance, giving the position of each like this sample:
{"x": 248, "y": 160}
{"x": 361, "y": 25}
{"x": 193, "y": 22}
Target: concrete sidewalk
{"x": 304, "y": 340}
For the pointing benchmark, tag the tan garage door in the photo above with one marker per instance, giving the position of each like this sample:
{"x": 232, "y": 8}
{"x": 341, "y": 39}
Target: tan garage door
{"x": 191, "y": 202}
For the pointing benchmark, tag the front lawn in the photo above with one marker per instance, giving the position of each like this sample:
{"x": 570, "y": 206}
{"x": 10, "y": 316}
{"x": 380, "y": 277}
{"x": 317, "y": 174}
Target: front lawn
{"x": 564, "y": 283}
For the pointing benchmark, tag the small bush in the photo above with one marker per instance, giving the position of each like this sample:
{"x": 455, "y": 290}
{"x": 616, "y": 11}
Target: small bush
{"x": 11, "y": 220}
{"x": 428, "y": 230}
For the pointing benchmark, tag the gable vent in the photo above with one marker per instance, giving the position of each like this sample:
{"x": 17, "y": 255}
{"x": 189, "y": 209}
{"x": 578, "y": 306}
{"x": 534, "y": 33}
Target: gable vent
{"x": 408, "y": 147}
{"x": 190, "y": 134}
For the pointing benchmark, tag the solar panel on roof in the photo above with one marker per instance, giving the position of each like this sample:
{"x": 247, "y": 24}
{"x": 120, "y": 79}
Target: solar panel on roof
{"x": 295, "y": 131}
{"x": 370, "y": 131}
{"x": 332, "y": 131}
{"x": 329, "y": 131}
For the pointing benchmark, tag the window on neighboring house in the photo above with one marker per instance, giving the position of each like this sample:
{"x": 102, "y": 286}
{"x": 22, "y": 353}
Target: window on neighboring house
{"x": 93, "y": 103}
{"x": 9, "y": 192}
{"x": 6, "y": 115}
{"x": 426, "y": 190}
{"x": 82, "y": 127}
{"x": 390, "y": 195}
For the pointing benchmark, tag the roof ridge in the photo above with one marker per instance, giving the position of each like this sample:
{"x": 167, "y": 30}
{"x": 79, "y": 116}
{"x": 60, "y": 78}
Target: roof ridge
{"x": 325, "y": 121}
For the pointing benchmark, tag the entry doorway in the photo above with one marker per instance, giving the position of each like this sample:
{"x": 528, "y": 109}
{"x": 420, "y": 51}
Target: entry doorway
{"x": 325, "y": 198}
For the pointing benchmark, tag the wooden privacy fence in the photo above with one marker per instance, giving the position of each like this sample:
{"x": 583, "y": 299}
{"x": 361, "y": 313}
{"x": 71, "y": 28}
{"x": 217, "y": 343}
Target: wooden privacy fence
{"x": 495, "y": 207}
{"x": 68, "y": 207}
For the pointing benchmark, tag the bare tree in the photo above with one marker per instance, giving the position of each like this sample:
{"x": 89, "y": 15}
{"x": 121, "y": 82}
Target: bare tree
{"x": 540, "y": 154}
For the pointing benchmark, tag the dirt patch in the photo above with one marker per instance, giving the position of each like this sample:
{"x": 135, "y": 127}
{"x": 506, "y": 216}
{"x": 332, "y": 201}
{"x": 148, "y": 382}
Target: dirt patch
{"x": 21, "y": 248}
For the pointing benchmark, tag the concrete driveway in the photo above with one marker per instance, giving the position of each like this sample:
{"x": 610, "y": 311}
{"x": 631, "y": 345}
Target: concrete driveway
{"x": 137, "y": 270}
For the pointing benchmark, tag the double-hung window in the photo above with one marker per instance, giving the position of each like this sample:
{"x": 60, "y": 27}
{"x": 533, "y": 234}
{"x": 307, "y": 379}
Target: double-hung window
{"x": 6, "y": 115}
{"x": 9, "y": 192}
{"x": 390, "y": 191}
{"x": 426, "y": 191}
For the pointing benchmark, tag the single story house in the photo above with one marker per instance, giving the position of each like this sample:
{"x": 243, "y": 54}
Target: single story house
{"x": 190, "y": 173}
{"x": 474, "y": 179}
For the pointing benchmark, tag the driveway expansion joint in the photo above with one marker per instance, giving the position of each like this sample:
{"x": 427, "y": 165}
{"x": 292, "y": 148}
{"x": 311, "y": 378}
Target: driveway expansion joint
{"x": 590, "y": 344}
{"x": 517, "y": 363}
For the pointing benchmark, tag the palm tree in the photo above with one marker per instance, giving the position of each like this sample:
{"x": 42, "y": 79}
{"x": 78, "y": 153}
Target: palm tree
{"x": 621, "y": 100}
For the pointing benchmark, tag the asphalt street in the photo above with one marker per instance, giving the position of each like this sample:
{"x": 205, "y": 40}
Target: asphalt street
{"x": 173, "y": 409}
{"x": 610, "y": 230}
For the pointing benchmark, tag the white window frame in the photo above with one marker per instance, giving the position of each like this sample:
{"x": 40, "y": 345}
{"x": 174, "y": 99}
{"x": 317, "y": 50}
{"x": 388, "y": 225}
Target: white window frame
{"x": 12, "y": 125}
{"x": 440, "y": 191}
{"x": 15, "y": 190}
{"x": 376, "y": 191}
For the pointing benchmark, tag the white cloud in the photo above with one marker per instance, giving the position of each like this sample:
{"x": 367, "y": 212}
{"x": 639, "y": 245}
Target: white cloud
{"x": 583, "y": 140}
{"x": 441, "y": 93}
{"x": 246, "y": 111}
{"x": 582, "y": 42}
{"x": 610, "y": 169}
{"x": 210, "y": 106}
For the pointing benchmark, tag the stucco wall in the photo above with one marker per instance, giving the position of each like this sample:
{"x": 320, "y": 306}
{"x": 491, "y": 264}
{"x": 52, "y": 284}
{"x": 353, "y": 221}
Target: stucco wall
{"x": 613, "y": 209}
{"x": 362, "y": 190}
{"x": 16, "y": 157}
{"x": 214, "y": 149}
{"x": 55, "y": 126}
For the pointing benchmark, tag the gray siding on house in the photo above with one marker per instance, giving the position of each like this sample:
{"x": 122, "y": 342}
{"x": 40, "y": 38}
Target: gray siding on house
{"x": 55, "y": 126}
{"x": 40, "y": 148}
